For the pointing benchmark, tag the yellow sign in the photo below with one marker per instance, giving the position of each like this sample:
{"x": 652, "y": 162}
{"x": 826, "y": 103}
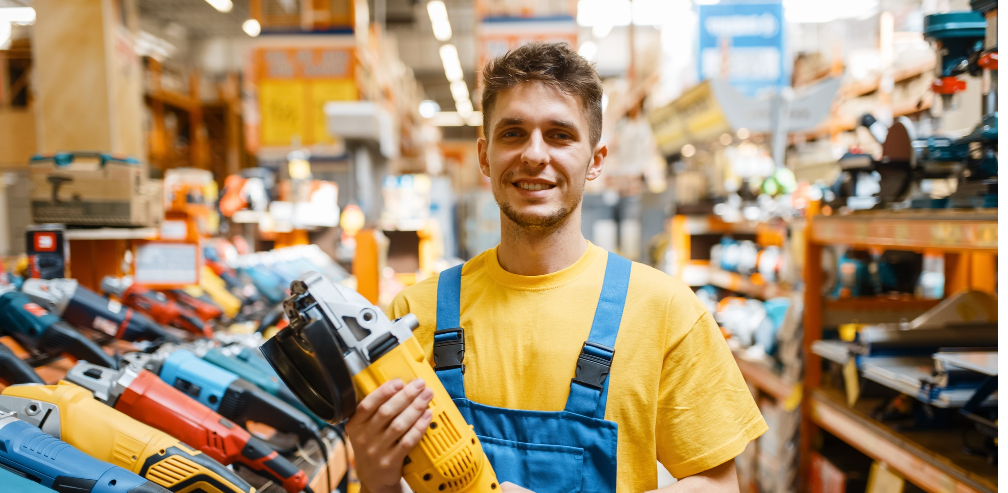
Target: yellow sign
{"x": 281, "y": 104}
{"x": 294, "y": 84}
{"x": 324, "y": 91}
{"x": 695, "y": 117}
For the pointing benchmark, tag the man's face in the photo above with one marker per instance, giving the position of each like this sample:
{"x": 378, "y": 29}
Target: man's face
{"x": 537, "y": 155}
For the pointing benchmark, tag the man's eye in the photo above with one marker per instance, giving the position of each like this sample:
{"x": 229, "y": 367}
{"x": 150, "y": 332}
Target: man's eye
{"x": 510, "y": 133}
{"x": 563, "y": 136}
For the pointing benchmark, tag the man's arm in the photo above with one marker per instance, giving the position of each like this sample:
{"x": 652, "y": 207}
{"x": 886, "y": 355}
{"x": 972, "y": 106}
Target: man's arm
{"x": 719, "y": 479}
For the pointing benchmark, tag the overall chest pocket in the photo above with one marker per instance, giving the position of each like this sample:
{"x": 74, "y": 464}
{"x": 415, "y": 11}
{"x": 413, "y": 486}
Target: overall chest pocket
{"x": 537, "y": 467}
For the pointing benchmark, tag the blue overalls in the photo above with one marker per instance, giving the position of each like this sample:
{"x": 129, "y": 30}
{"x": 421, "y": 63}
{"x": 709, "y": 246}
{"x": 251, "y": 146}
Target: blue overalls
{"x": 570, "y": 450}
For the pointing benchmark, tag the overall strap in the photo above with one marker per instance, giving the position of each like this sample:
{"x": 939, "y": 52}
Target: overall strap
{"x": 590, "y": 385}
{"x": 449, "y": 340}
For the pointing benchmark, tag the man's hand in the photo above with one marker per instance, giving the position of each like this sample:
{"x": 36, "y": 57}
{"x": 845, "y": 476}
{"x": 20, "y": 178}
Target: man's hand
{"x": 387, "y": 424}
{"x": 512, "y": 488}
{"x": 720, "y": 479}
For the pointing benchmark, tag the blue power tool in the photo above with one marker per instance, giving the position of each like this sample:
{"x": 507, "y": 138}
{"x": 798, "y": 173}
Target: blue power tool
{"x": 31, "y": 452}
{"x": 33, "y": 326}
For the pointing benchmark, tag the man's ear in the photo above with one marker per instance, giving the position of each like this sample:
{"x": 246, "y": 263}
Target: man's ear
{"x": 481, "y": 151}
{"x": 595, "y": 167}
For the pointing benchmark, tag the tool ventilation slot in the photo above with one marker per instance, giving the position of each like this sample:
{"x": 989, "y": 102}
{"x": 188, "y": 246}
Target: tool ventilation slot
{"x": 460, "y": 470}
{"x": 441, "y": 437}
{"x": 172, "y": 471}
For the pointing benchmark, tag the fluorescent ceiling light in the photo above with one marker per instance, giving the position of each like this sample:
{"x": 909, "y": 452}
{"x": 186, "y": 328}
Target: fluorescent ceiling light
{"x": 450, "y": 60}
{"x": 588, "y": 50}
{"x": 601, "y": 30}
{"x": 464, "y": 108}
{"x": 5, "y": 35}
{"x": 439, "y": 20}
{"x": 17, "y": 15}
{"x": 251, "y": 27}
{"x": 459, "y": 90}
{"x": 221, "y": 5}
{"x": 428, "y": 108}
{"x": 821, "y": 11}
{"x": 453, "y": 119}
{"x": 593, "y": 13}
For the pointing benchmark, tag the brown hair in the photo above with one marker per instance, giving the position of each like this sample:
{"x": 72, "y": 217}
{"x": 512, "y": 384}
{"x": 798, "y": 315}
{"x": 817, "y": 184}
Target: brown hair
{"x": 554, "y": 64}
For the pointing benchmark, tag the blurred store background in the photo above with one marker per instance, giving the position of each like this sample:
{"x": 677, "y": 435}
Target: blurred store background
{"x": 822, "y": 173}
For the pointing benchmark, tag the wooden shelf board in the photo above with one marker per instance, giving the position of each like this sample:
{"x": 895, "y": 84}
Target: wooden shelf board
{"x": 744, "y": 284}
{"x": 933, "y": 459}
{"x": 768, "y": 381}
{"x": 880, "y": 303}
{"x": 916, "y": 230}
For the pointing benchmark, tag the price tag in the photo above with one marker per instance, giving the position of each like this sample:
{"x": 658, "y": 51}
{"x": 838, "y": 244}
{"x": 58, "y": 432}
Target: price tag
{"x": 159, "y": 264}
{"x": 851, "y": 384}
{"x": 883, "y": 480}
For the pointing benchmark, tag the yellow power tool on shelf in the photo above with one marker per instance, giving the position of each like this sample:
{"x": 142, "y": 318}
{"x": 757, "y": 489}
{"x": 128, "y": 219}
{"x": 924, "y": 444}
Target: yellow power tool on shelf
{"x": 71, "y": 413}
{"x": 339, "y": 348}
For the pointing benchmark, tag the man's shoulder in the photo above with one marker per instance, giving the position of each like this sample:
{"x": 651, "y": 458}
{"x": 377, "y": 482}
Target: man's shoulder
{"x": 657, "y": 282}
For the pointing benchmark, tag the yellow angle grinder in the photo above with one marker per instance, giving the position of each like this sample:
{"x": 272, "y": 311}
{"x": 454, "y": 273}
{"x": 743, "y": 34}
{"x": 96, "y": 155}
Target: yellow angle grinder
{"x": 339, "y": 347}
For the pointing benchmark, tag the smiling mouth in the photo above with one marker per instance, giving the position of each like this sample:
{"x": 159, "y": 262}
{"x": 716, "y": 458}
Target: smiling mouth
{"x": 533, "y": 186}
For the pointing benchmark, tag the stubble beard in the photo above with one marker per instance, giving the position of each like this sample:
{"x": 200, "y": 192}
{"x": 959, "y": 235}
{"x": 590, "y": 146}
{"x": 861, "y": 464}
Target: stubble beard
{"x": 535, "y": 222}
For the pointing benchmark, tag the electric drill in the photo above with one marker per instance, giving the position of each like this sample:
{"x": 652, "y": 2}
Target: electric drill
{"x": 156, "y": 305}
{"x": 203, "y": 308}
{"x": 14, "y": 370}
{"x": 265, "y": 379}
{"x": 32, "y": 326}
{"x": 268, "y": 283}
{"x": 212, "y": 260}
{"x": 234, "y": 398}
{"x": 148, "y": 399}
{"x": 20, "y": 484}
{"x": 339, "y": 347}
{"x": 71, "y": 413}
{"x": 80, "y": 306}
{"x": 30, "y": 452}
{"x": 231, "y": 299}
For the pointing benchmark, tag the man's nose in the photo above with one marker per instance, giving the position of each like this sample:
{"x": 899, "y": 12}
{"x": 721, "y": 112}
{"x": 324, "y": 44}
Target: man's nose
{"x": 536, "y": 152}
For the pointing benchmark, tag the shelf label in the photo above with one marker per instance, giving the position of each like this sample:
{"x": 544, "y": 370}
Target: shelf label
{"x": 851, "y": 384}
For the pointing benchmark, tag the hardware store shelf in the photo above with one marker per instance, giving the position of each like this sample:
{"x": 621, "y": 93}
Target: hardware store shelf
{"x": 112, "y": 234}
{"x": 752, "y": 286}
{"x": 763, "y": 377}
{"x": 932, "y": 459}
{"x": 917, "y": 230}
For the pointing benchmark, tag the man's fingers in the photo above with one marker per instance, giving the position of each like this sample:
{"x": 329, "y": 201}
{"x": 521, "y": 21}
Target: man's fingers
{"x": 395, "y": 405}
{"x": 415, "y": 433}
{"x": 373, "y": 401}
{"x": 507, "y": 487}
{"x": 408, "y": 417}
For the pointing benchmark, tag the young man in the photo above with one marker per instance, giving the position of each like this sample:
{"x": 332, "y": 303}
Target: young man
{"x": 578, "y": 369}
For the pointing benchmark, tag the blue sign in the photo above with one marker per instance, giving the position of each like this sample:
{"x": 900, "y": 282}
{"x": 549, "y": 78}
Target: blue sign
{"x": 750, "y": 38}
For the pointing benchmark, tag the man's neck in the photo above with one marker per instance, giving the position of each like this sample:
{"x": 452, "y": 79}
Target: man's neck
{"x": 537, "y": 253}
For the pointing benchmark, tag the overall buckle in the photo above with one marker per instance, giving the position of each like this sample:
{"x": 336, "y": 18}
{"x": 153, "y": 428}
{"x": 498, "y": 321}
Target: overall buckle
{"x": 449, "y": 352}
{"x": 593, "y": 365}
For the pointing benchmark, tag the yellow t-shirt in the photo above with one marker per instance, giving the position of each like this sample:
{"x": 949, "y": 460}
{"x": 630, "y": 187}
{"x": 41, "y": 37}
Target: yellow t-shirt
{"x": 674, "y": 389}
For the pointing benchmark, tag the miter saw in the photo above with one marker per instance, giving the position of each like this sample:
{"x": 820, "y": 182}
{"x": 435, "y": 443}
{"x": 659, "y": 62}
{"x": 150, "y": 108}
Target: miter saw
{"x": 966, "y": 43}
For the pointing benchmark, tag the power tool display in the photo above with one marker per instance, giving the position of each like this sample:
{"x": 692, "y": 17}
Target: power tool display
{"x": 70, "y": 413}
{"x": 80, "y": 306}
{"x": 31, "y": 453}
{"x": 156, "y": 305}
{"x": 339, "y": 347}
{"x": 234, "y": 398}
{"x": 32, "y": 326}
{"x": 14, "y": 370}
{"x": 199, "y": 303}
{"x": 148, "y": 399}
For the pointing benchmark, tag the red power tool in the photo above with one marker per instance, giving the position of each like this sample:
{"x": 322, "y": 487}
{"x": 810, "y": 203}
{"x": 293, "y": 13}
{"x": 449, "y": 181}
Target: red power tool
{"x": 145, "y": 397}
{"x": 155, "y": 305}
{"x": 204, "y": 309}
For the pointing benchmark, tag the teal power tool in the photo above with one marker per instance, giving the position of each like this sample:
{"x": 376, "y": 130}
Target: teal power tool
{"x": 33, "y": 326}
{"x": 14, "y": 370}
{"x": 29, "y": 451}
{"x": 259, "y": 372}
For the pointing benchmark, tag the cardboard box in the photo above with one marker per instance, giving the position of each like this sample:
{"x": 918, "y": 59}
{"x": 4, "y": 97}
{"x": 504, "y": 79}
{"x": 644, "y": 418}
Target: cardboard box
{"x": 93, "y": 189}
